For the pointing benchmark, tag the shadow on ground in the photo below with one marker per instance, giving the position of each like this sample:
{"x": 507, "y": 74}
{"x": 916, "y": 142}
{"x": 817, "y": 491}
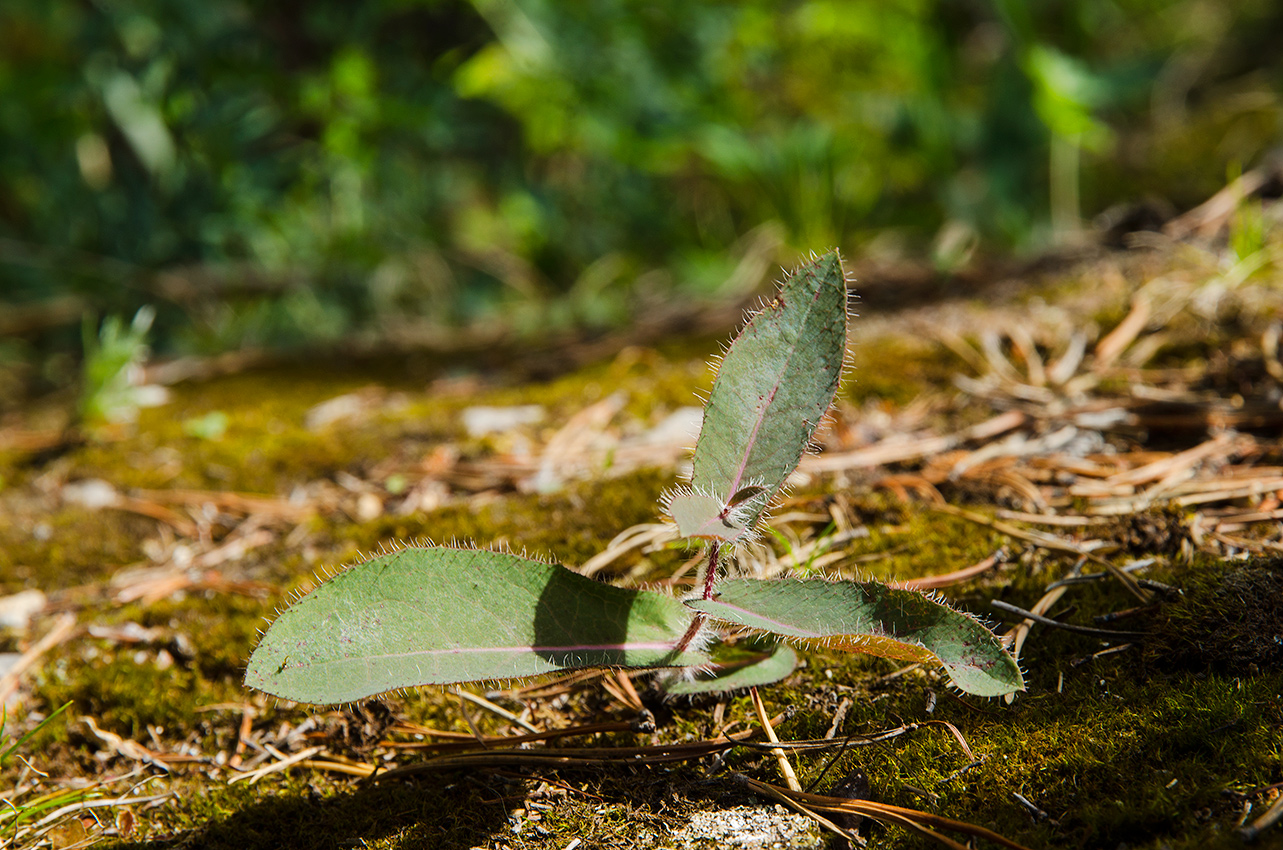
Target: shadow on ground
{"x": 458, "y": 813}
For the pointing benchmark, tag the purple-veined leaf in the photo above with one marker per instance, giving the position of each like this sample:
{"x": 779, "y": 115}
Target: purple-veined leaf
{"x": 775, "y": 383}
{"x": 871, "y": 617}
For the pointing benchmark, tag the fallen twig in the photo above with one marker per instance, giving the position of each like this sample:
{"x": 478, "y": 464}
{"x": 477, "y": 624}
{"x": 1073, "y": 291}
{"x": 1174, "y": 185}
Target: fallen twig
{"x": 1069, "y": 627}
{"x": 499, "y": 711}
{"x": 912, "y": 818}
{"x": 283, "y": 763}
{"x": 64, "y": 628}
{"x": 956, "y": 577}
{"x": 1271, "y": 817}
{"x": 786, "y": 768}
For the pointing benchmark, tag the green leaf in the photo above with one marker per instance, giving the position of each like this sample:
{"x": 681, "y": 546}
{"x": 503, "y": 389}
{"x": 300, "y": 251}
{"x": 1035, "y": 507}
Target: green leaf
{"x": 870, "y": 617}
{"x": 776, "y": 382}
{"x": 702, "y": 515}
{"x": 734, "y": 668}
{"x": 439, "y": 615}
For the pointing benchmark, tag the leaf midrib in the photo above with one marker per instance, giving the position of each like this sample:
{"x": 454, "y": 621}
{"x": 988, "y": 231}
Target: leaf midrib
{"x": 760, "y": 418}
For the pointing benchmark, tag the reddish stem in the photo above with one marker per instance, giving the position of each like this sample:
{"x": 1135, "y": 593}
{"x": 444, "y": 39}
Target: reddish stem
{"x": 697, "y": 622}
{"x": 711, "y": 575}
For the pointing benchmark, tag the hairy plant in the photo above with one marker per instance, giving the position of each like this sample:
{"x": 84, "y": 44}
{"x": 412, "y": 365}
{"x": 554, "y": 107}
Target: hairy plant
{"x": 442, "y": 615}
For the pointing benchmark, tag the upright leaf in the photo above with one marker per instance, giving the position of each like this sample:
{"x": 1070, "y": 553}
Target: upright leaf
{"x": 776, "y": 382}
{"x": 870, "y": 617}
{"x": 439, "y": 615}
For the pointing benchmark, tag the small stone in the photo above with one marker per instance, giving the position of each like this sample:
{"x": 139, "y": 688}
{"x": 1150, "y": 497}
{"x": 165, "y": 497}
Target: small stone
{"x": 482, "y": 419}
{"x": 92, "y": 493}
{"x": 17, "y": 610}
{"x": 333, "y": 410}
{"x": 755, "y": 827}
{"x": 368, "y": 507}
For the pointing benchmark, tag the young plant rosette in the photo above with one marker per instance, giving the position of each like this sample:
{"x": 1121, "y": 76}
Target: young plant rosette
{"x": 444, "y": 615}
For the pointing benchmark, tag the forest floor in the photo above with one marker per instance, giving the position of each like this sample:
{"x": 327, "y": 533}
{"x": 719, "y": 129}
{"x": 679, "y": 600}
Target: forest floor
{"x": 1094, "y": 440}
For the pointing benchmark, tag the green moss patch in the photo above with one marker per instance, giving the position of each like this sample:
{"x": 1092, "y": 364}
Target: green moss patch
{"x": 1164, "y": 740}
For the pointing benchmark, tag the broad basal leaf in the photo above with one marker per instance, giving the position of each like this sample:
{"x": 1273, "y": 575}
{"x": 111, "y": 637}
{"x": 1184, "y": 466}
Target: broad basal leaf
{"x": 870, "y": 617}
{"x": 439, "y": 615}
{"x": 775, "y": 383}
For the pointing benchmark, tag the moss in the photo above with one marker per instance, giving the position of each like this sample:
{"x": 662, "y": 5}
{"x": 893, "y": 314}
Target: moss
{"x": 569, "y": 527}
{"x": 653, "y": 381}
{"x": 316, "y": 813}
{"x": 899, "y": 540}
{"x": 896, "y": 369}
{"x": 127, "y": 691}
{"x": 219, "y": 629}
{"x": 1228, "y": 622}
{"x": 1157, "y": 745}
{"x": 1158, "y": 759}
{"x": 1111, "y": 759}
{"x": 264, "y": 448}
{"x": 67, "y": 547}
{"x": 926, "y": 544}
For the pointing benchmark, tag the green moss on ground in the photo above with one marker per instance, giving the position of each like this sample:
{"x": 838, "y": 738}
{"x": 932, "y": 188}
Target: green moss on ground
{"x": 1132, "y": 747}
{"x": 264, "y": 446}
{"x": 894, "y": 370}
{"x": 1160, "y": 744}
{"x": 67, "y": 547}
{"x": 569, "y": 527}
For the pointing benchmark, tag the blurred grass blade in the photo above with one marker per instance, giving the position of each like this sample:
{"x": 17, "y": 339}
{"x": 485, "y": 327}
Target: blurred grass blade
{"x": 776, "y": 382}
{"x": 870, "y": 617}
{"x": 4, "y": 721}
{"x": 440, "y": 615}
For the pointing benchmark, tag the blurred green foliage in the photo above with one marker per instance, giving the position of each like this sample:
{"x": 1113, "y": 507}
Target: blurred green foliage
{"x": 274, "y": 173}
{"x": 114, "y": 354}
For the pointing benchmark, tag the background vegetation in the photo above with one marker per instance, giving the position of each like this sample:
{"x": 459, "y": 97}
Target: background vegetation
{"x": 550, "y": 213}
{"x": 270, "y": 174}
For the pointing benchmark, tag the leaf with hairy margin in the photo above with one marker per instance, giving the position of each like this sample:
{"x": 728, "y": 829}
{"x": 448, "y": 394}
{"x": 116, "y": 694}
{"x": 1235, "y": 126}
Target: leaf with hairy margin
{"x": 739, "y": 668}
{"x": 871, "y": 617}
{"x": 776, "y": 382}
{"x": 438, "y": 616}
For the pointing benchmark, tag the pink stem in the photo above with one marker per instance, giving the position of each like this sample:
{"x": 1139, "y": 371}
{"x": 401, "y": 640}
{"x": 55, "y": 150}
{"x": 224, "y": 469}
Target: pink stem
{"x": 697, "y": 622}
{"x": 711, "y": 575}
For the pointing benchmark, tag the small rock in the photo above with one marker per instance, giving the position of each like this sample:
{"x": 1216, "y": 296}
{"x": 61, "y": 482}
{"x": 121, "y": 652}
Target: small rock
{"x": 756, "y": 827}
{"x": 368, "y": 507}
{"x": 17, "y": 610}
{"x": 340, "y": 407}
{"x": 481, "y": 419}
{"x": 92, "y": 493}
